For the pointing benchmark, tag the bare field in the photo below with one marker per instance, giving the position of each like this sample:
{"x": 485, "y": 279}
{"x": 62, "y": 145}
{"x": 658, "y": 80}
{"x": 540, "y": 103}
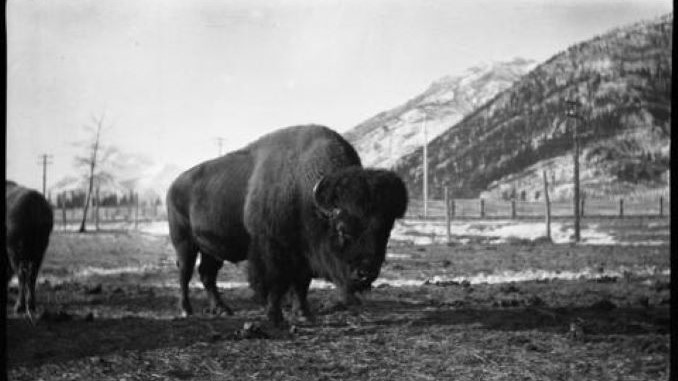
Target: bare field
{"x": 108, "y": 311}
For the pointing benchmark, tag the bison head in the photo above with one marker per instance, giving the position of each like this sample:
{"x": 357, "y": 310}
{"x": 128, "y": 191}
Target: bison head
{"x": 359, "y": 207}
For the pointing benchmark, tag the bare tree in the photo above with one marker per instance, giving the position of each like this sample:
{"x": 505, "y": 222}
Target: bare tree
{"x": 96, "y": 154}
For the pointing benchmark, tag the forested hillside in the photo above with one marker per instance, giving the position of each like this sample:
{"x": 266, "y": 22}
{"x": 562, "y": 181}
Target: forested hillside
{"x": 622, "y": 80}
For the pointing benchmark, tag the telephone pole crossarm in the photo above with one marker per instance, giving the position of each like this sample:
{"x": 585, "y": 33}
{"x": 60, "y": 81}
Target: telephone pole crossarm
{"x": 220, "y": 142}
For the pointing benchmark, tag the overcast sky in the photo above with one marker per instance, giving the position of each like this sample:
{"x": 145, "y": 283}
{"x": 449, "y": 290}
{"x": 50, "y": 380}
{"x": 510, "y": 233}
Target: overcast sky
{"x": 171, "y": 76}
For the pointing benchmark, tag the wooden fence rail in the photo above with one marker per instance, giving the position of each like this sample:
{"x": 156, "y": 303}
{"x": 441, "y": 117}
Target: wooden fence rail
{"x": 437, "y": 210}
{"x": 500, "y": 209}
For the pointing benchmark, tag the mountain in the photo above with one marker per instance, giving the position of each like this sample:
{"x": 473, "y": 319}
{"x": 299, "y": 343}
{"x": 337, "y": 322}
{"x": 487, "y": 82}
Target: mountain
{"x": 158, "y": 179}
{"x": 622, "y": 81}
{"x": 382, "y": 139}
{"x": 150, "y": 181}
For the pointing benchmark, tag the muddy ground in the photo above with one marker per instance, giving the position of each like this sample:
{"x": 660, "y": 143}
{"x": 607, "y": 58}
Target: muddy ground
{"x": 108, "y": 311}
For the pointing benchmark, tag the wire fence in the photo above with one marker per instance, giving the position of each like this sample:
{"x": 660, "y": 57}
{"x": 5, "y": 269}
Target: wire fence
{"x": 132, "y": 215}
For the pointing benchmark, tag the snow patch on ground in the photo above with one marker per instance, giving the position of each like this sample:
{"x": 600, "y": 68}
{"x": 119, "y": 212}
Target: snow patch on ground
{"x": 588, "y": 273}
{"x": 160, "y": 228}
{"x": 422, "y": 232}
{"x": 398, "y": 256}
{"x": 426, "y": 232}
{"x": 537, "y": 275}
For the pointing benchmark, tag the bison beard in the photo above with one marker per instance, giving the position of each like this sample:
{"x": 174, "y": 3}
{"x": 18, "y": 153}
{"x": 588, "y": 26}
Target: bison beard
{"x": 296, "y": 204}
{"x": 29, "y": 221}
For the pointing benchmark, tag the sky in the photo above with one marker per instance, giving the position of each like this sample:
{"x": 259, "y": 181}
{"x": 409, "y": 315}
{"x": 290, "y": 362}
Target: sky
{"x": 170, "y": 77}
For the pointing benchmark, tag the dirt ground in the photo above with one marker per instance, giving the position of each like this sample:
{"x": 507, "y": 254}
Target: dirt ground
{"x": 108, "y": 311}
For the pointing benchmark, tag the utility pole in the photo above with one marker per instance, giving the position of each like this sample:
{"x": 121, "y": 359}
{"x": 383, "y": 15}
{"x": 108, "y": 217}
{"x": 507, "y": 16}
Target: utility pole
{"x": 45, "y": 160}
{"x": 220, "y": 143}
{"x": 425, "y": 169}
{"x": 572, "y": 106}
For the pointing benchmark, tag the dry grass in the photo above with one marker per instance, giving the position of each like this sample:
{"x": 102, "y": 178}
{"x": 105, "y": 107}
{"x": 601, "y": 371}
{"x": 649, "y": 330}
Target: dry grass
{"x": 517, "y": 331}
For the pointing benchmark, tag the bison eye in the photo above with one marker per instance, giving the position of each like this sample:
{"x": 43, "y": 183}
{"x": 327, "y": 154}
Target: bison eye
{"x": 343, "y": 234}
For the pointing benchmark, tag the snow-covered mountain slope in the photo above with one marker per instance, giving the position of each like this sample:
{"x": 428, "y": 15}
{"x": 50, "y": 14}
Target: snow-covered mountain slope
{"x": 384, "y": 138}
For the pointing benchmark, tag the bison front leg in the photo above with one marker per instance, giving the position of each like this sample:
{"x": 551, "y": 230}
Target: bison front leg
{"x": 300, "y": 301}
{"x": 274, "y": 305}
{"x": 208, "y": 269}
{"x": 267, "y": 276}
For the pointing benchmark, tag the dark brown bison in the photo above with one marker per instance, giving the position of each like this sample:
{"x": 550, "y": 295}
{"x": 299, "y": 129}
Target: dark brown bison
{"x": 297, "y": 204}
{"x": 28, "y": 220}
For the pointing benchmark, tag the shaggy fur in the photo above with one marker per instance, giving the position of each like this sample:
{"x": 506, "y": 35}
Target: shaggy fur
{"x": 259, "y": 204}
{"x": 28, "y": 220}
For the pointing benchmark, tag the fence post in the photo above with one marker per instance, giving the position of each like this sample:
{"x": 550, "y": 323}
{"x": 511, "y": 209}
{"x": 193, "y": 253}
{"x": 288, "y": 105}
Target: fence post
{"x": 482, "y": 208}
{"x": 661, "y": 206}
{"x": 513, "y": 208}
{"x": 547, "y": 206}
{"x": 136, "y": 211}
{"x": 129, "y": 208}
{"x": 63, "y": 209}
{"x": 447, "y": 212}
{"x": 621, "y": 208}
{"x": 581, "y": 209}
{"x": 96, "y": 209}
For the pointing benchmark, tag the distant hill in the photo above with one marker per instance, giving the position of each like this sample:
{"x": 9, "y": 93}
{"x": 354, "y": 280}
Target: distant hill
{"x": 384, "y": 138}
{"x": 623, "y": 81}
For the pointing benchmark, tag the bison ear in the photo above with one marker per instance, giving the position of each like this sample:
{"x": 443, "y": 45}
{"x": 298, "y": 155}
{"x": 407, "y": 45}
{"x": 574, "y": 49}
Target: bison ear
{"x": 321, "y": 196}
{"x": 390, "y": 193}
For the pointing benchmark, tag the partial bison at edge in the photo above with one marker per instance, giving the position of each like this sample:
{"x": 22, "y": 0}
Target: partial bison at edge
{"x": 297, "y": 204}
{"x": 28, "y": 220}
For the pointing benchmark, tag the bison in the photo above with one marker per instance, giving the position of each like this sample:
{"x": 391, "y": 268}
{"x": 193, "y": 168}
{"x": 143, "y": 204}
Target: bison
{"x": 297, "y": 204}
{"x": 28, "y": 221}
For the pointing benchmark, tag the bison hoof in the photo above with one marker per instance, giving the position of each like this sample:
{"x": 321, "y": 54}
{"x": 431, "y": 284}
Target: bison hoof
{"x": 334, "y": 307}
{"x": 185, "y": 314}
{"x": 276, "y": 319}
{"x": 218, "y": 311}
{"x": 352, "y": 300}
{"x": 305, "y": 317}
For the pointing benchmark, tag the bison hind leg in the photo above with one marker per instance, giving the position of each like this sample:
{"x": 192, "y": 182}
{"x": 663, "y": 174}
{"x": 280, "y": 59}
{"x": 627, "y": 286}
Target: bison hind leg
{"x": 18, "y": 265}
{"x": 186, "y": 257}
{"x": 22, "y": 277}
{"x": 208, "y": 269}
